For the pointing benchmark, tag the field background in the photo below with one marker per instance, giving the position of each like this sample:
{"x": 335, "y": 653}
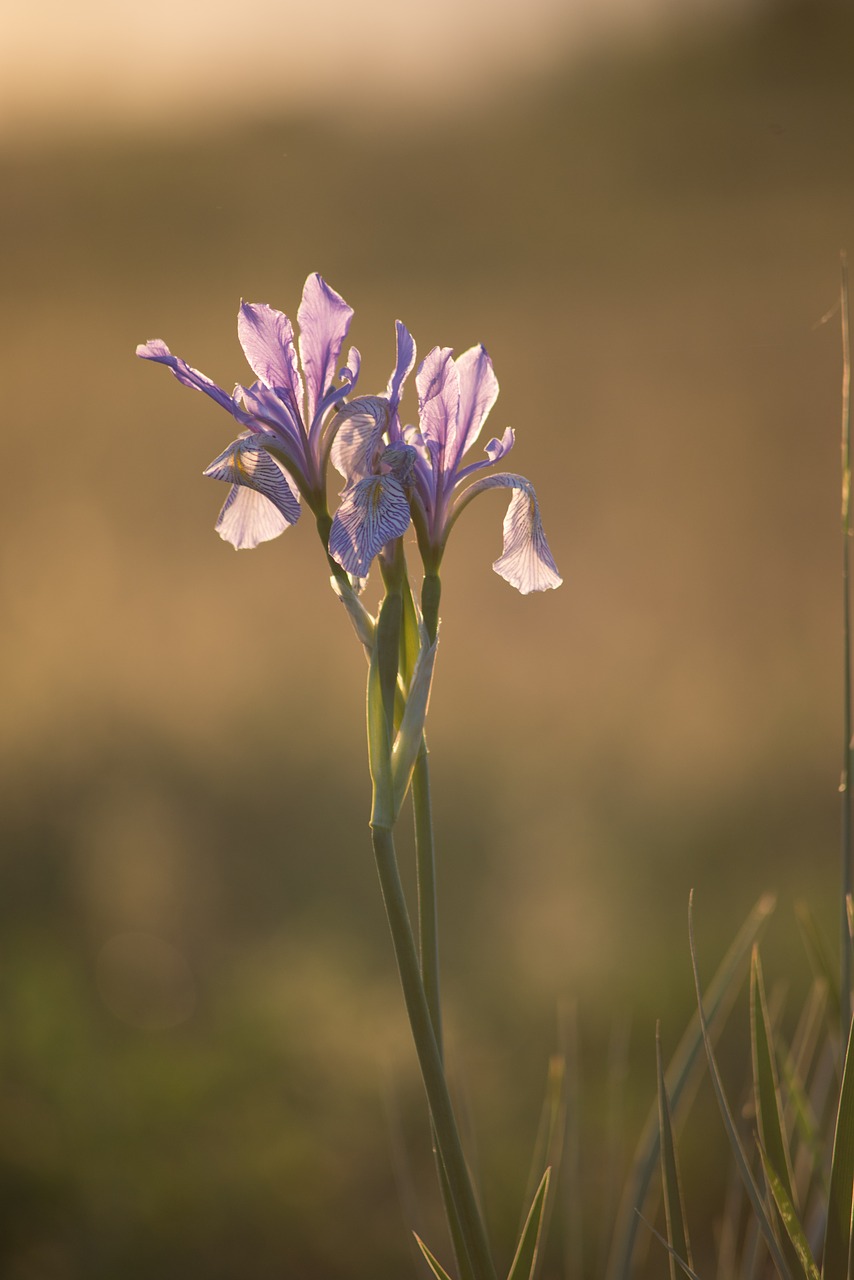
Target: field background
{"x": 205, "y": 1067}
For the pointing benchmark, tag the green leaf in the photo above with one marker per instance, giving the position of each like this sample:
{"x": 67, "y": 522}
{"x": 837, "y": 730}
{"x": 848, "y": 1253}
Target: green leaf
{"x": 681, "y": 1074}
{"x": 525, "y": 1261}
{"x": 410, "y": 636}
{"x": 742, "y": 1163}
{"x": 692, "y": 1275}
{"x": 766, "y": 1087}
{"x": 674, "y": 1208}
{"x": 436, "y": 1267}
{"x": 791, "y": 1221}
{"x": 837, "y": 1240}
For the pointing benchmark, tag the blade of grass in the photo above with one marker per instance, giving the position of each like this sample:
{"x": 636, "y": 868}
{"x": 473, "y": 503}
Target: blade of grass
{"x": 436, "y": 1267}
{"x": 766, "y": 1088}
{"x": 819, "y": 958}
{"x": 525, "y": 1262}
{"x": 674, "y": 1208}
{"x": 682, "y": 1071}
{"x": 837, "y": 1240}
{"x": 754, "y": 1194}
{"x": 674, "y": 1256}
{"x": 791, "y": 1221}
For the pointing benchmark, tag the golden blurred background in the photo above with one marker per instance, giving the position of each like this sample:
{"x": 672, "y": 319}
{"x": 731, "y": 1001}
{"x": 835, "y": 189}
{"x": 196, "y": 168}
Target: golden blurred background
{"x": 206, "y": 1069}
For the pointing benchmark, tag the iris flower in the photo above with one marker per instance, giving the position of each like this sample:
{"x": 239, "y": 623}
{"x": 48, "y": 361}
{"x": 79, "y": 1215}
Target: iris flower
{"x": 396, "y": 473}
{"x": 286, "y": 415}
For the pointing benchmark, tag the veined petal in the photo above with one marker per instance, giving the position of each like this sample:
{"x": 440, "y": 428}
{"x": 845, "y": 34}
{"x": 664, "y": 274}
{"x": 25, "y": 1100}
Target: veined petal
{"x": 372, "y": 513}
{"x": 359, "y": 430}
{"x": 269, "y": 408}
{"x": 267, "y": 338}
{"x": 247, "y": 518}
{"x": 438, "y": 383}
{"x": 526, "y": 561}
{"x": 247, "y": 464}
{"x": 403, "y": 364}
{"x": 159, "y": 352}
{"x": 478, "y": 393}
{"x": 324, "y": 318}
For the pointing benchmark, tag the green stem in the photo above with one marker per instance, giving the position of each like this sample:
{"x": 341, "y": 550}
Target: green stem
{"x": 845, "y": 783}
{"x": 430, "y": 1060}
{"x": 428, "y": 937}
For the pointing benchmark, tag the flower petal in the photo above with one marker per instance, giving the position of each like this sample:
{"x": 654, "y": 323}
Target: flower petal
{"x": 498, "y": 449}
{"x": 324, "y": 318}
{"x": 359, "y": 430}
{"x": 478, "y": 393}
{"x": 403, "y": 364}
{"x": 267, "y": 337}
{"x": 372, "y": 513}
{"x": 247, "y": 518}
{"x": 246, "y": 464}
{"x": 159, "y": 352}
{"x": 526, "y": 561}
{"x": 438, "y": 383}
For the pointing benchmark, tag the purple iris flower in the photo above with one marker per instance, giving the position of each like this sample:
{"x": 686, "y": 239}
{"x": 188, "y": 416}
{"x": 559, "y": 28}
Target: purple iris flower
{"x": 395, "y": 473}
{"x": 286, "y": 415}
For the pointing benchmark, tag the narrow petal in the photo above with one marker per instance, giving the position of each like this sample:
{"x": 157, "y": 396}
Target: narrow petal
{"x": 247, "y": 464}
{"x": 358, "y": 433}
{"x": 438, "y": 384}
{"x": 372, "y": 513}
{"x": 403, "y": 364}
{"x": 478, "y": 393}
{"x": 324, "y": 319}
{"x": 498, "y": 449}
{"x": 267, "y": 337}
{"x": 526, "y": 561}
{"x": 247, "y": 518}
{"x": 159, "y": 352}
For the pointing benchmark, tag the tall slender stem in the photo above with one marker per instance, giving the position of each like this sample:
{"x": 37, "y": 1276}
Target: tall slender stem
{"x": 845, "y": 782}
{"x": 432, "y": 1072}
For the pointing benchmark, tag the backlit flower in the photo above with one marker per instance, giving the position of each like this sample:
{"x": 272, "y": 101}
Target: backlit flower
{"x": 286, "y": 415}
{"x": 394, "y": 473}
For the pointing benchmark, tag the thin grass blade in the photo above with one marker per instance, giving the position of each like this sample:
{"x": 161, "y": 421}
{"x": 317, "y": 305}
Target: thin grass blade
{"x": 754, "y": 1194}
{"x": 682, "y": 1071}
{"x": 674, "y": 1256}
{"x": 766, "y": 1088}
{"x": 671, "y": 1185}
{"x": 790, "y": 1220}
{"x": 436, "y": 1267}
{"x": 819, "y": 958}
{"x": 837, "y": 1241}
{"x": 524, "y": 1265}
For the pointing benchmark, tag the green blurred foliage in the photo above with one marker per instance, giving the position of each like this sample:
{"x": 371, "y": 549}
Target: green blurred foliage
{"x": 205, "y": 1065}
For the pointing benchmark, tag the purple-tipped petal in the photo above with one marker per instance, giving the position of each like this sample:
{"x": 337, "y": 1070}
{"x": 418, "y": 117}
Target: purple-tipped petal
{"x": 324, "y": 318}
{"x": 159, "y": 352}
{"x": 372, "y": 513}
{"x": 267, "y": 338}
{"x": 526, "y": 561}
{"x": 498, "y": 449}
{"x": 246, "y": 464}
{"x": 358, "y": 433}
{"x": 403, "y": 364}
{"x": 478, "y": 393}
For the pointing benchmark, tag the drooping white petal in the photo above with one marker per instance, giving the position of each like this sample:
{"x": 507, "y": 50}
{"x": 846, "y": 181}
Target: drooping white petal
{"x": 526, "y": 561}
{"x": 248, "y": 466}
{"x": 248, "y": 518}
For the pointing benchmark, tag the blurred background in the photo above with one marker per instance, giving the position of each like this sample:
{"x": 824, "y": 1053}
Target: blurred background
{"x": 639, "y": 208}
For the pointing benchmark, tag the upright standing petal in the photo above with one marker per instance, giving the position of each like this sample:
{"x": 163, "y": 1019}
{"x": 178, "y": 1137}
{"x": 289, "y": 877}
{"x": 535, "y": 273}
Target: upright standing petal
{"x": 324, "y": 319}
{"x": 403, "y": 364}
{"x": 478, "y": 393}
{"x": 267, "y": 338}
{"x": 438, "y": 384}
